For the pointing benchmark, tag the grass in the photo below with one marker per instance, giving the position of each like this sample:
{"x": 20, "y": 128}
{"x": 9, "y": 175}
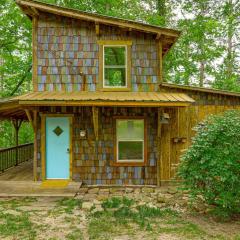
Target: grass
{"x": 75, "y": 234}
{"x": 69, "y": 204}
{"x": 17, "y": 225}
{"x": 121, "y": 216}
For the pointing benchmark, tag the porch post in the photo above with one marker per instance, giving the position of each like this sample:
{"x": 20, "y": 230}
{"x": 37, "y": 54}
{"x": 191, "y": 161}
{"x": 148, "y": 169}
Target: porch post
{"x": 35, "y": 146}
{"x": 17, "y": 124}
{"x": 159, "y": 147}
{"x": 33, "y": 121}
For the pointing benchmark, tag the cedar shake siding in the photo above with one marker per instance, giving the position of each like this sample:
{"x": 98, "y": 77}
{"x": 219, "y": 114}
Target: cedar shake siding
{"x": 66, "y": 47}
{"x": 93, "y": 159}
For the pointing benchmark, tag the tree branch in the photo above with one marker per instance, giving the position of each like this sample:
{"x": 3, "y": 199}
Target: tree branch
{"x": 21, "y": 80}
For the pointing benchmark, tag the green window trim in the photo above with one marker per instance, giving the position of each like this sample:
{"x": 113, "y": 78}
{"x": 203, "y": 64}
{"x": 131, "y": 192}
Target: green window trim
{"x": 121, "y": 71}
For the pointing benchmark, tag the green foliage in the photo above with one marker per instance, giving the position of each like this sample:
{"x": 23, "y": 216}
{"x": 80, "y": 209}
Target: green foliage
{"x": 116, "y": 202}
{"x": 211, "y": 166}
{"x": 16, "y": 225}
{"x": 69, "y": 204}
{"x": 123, "y": 210}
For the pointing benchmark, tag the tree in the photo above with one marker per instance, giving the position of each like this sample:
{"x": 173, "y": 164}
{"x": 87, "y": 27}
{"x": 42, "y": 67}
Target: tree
{"x": 228, "y": 74}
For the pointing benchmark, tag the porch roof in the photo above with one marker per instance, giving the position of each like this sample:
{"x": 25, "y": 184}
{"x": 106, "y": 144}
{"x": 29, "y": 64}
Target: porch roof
{"x": 14, "y": 107}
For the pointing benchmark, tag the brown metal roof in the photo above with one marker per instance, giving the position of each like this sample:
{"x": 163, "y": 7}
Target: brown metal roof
{"x": 103, "y": 98}
{"x": 200, "y": 89}
{"x": 14, "y": 107}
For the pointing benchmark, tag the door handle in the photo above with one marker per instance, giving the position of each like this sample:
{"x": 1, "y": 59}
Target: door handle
{"x": 68, "y": 150}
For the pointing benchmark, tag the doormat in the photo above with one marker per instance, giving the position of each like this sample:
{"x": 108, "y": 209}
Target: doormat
{"x": 55, "y": 184}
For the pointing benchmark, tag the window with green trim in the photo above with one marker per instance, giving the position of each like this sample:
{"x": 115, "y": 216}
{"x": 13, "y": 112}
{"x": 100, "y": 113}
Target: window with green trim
{"x": 114, "y": 66}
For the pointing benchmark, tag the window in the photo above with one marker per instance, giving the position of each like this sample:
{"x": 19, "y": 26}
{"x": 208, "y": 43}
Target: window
{"x": 130, "y": 141}
{"x": 114, "y": 65}
{"x": 115, "y": 69}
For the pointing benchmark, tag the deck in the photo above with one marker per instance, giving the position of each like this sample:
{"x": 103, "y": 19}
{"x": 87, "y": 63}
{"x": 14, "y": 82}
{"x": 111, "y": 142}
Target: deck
{"x": 22, "y": 172}
{"x": 18, "y": 182}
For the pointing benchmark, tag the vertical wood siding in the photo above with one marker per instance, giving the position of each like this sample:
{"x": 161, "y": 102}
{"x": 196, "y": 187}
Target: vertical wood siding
{"x": 183, "y": 121}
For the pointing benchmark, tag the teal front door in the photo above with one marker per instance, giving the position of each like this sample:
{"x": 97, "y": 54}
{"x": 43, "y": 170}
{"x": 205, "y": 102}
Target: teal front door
{"x": 57, "y": 148}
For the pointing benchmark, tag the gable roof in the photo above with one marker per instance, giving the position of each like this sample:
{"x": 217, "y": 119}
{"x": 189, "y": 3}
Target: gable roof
{"x": 200, "y": 89}
{"x": 33, "y": 8}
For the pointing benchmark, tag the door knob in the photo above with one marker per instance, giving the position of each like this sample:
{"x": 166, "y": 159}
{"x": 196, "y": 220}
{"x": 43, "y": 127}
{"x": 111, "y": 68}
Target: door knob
{"x": 68, "y": 150}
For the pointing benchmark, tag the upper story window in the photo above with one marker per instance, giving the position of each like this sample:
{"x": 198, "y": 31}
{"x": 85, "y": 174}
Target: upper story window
{"x": 115, "y": 66}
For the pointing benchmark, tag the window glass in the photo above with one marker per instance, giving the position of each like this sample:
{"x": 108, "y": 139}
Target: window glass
{"x": 114, "y": 66}
{"x": 130, "y": 140}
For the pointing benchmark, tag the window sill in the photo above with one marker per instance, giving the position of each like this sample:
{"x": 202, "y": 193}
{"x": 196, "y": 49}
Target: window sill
{"x": 128, "y": 164}
{"x": 115, "y": 89}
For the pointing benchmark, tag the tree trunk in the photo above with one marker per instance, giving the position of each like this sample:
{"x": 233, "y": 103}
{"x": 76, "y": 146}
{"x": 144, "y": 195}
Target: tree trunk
{"x": 202, "y": 73}
{"x": 161, "y": 9}
{"x": 229, "y": 62}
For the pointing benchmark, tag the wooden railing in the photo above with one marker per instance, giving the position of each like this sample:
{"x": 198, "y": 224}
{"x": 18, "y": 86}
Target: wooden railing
{"x": 12, "y": 156}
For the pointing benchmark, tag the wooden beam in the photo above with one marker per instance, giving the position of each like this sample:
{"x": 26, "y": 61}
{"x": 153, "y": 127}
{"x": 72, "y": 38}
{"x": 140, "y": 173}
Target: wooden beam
{"x": 35, "y": 11}
{"x": 159, "y": 147}
{"x": 158, "y": 36}
{"x": 29, "y": 117}
{"x": 95, "y": 112}
{"x": 35, "y": 145}
{"x": 17, "y": 124}
{"x": 97, "y": 29}
{"x": 114, "y": 42}
{"x": 104, "y": 103}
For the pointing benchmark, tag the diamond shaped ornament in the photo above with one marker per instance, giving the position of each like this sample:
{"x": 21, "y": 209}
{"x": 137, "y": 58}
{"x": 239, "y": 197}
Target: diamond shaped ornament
{"x": 58, "y": 131}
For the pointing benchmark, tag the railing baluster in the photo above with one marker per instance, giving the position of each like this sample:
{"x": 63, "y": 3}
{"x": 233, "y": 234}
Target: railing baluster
{"x": 8, "y": 155}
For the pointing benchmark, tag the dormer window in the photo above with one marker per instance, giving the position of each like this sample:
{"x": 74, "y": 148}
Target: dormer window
{"x": 114, "y": 65}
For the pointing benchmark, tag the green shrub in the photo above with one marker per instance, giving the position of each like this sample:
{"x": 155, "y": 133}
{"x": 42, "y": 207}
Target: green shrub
{"x": 211, "y": 166}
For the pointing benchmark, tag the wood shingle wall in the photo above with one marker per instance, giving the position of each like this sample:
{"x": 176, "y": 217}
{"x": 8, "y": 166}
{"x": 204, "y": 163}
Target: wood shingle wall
{"x": 66, "y": 47}
{"x": 93, "y": 159}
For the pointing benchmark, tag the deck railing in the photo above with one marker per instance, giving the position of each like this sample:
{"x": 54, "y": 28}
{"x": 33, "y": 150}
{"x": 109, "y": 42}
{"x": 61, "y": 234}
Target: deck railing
{"x": 12, "y": 156}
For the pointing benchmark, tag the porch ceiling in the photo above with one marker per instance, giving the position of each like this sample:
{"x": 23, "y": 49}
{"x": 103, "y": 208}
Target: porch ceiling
{"x": 14, "y": 107}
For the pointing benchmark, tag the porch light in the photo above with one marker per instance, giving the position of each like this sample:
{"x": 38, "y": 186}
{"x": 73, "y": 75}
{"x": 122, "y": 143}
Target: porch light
{"x": 83, "y": 134}
{"x": 164, "y": 118}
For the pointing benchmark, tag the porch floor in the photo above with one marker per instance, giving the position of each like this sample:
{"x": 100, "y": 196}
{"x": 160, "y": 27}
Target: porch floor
{"x": 22, "y": 172}
{"x": 18, "y": 182}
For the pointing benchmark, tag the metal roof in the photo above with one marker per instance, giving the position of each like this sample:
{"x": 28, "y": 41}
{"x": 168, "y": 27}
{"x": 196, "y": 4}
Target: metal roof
{"x": 14, "y": 107}
{"x": 200, "y": 89}
{"x": 101, "y": 98}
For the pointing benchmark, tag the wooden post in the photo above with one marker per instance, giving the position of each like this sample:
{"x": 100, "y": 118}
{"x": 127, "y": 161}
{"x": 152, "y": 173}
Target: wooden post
{"x": 35, "y": 146}
{"x": 33, "y": 121}
{"x": 95, "y": 121}
{"x": 17, "y": 124}
{"x": 159, "y": 148}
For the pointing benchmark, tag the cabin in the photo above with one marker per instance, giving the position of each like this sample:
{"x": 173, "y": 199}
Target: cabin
{"x": 100, "y": 110}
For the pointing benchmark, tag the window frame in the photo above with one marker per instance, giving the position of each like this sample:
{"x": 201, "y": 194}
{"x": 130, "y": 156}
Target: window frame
{"x": 131, "y": 162}
{"x": 128, "y": 45}
{"x": 121, "y": 66}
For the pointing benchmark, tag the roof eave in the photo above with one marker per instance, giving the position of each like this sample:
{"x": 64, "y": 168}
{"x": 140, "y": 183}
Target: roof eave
{"x": 200, "y": 89}
{"x": 29, "y": 8}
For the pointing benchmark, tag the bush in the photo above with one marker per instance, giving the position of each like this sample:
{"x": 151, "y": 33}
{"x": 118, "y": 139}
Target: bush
{"x": 211, "y": 166}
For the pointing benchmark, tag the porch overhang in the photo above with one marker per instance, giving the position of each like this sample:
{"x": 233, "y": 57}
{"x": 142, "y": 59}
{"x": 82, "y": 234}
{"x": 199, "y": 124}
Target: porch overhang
{"x": 15, "y": 107}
